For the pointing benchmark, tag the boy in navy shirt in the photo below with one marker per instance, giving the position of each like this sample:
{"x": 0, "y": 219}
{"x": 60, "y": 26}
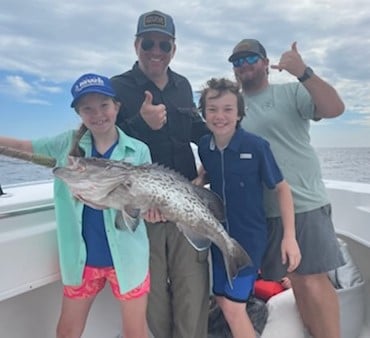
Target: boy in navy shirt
{"x": 238, "y": 165}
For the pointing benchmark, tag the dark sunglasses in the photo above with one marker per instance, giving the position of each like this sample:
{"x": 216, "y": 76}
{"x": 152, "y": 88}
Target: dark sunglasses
{"x": 148, "y": 44}
{"x": 250, "y": 59}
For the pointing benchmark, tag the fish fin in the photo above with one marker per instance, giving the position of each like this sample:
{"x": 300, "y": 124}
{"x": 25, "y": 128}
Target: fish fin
{"x": 198, "y": 242}
{"x": 120, "y": 221}
{"x": 132, "y": 212}
{"x": 127, "y": 219}
{"x": 235, "y": 260}
{"x": 212, "y": 201}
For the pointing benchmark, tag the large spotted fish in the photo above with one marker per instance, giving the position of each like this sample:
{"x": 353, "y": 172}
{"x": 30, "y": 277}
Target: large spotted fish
{"x": 132, "y": 190}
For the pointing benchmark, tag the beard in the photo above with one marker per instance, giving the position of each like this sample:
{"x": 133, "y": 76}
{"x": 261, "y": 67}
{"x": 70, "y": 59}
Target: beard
{"x": 252, "y": 81}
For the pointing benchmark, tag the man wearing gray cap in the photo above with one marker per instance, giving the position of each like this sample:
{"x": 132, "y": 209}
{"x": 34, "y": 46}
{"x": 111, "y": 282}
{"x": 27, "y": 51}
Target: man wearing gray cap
{"x": 158, "y": 108}
{"x": 281, "y": 113}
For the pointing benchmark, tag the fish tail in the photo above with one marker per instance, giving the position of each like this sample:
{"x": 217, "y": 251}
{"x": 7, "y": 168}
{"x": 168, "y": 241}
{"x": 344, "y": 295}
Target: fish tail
{"x": 235, "y": 260}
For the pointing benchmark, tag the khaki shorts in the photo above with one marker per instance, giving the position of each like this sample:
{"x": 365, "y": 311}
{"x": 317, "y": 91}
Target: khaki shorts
{"x": 316, "y": 239}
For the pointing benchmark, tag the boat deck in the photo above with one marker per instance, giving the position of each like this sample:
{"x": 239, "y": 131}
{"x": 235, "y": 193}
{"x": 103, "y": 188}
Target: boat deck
{"x": 30, "y": 290}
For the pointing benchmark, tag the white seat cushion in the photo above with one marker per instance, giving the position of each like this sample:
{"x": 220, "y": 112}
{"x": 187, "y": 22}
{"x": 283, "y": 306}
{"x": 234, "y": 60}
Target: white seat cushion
{"x": 283, "y": 319}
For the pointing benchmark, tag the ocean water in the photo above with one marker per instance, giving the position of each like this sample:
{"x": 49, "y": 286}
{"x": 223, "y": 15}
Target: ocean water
{"x": 344, "y": 164}
{"x": 14, "y": 171}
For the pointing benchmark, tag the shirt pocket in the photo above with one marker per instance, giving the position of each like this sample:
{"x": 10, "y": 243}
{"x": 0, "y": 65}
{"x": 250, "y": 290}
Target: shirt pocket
{"x": 243, "y": 171}
{"x": 242, "y": 182}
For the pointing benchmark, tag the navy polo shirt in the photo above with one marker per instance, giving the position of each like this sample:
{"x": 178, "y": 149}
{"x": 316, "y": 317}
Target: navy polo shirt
{"x": 93, "y": 228}
{"x": 238, "y": 175}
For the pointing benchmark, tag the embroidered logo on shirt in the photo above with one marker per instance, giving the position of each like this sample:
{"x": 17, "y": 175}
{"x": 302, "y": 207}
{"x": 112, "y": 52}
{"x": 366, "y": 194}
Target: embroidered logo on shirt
{"x": 244, "y": 156}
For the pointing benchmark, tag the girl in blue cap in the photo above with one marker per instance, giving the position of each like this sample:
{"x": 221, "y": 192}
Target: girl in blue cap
{"x": 91, "y": 249}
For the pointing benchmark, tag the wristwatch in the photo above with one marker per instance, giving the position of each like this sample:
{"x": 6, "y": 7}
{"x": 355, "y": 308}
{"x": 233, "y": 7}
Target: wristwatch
{"x": 308, "y": 72}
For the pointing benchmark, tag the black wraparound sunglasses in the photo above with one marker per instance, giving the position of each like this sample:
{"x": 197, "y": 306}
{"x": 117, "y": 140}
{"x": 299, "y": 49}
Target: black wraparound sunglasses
{"x": 148, "y": 44}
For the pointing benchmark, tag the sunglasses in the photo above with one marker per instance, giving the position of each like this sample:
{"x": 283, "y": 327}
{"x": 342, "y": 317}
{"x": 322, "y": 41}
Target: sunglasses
{"x": 250, "y": 59}
{"x": 148, "y": 44}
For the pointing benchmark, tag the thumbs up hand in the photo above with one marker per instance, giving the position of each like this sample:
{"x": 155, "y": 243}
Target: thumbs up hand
{"x": 291, "y": 61}
{"x": 155, "y": 116}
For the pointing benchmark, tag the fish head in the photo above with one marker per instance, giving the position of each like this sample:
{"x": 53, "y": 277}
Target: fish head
{"x": 90, "y": 176}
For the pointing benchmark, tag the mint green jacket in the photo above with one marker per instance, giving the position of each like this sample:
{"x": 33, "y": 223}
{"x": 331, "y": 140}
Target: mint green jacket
{"x": 130, "y": 250}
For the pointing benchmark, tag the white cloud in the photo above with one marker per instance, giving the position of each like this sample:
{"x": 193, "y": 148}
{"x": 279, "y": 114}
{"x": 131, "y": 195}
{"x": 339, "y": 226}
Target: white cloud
{"x": 45, "y": 45}
{"x": 18, "y": 85}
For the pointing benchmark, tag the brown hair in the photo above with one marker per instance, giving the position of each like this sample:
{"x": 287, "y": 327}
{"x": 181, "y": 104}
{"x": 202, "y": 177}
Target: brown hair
{"x": 222, "y": 86}
{"x": 76, "y": 150}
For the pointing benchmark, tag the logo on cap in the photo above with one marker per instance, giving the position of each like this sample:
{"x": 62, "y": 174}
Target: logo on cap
{"x": 92, "y": 81}
{"x": 155, "y": 19}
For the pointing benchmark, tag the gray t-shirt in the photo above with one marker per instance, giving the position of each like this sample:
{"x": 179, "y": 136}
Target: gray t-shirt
{"x": 281, "y": 114}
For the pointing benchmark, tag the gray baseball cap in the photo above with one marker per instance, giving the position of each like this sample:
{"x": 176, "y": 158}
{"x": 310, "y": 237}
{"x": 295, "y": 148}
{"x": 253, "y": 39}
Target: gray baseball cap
{"x": 248, "y": 46}
{"x": 156, "y": 21}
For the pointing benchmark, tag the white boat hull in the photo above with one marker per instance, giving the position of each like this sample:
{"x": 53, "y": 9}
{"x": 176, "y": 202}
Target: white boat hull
{"x": 30, "y": 288}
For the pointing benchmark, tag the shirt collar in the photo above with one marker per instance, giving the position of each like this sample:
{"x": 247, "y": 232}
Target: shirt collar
{"x": 142, "y": 79}
{"x": 125, "y": 143}
{"x": 234, "y": 144}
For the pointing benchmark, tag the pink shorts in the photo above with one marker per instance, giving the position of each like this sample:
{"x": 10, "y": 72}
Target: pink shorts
{"x": 94, "y": 279}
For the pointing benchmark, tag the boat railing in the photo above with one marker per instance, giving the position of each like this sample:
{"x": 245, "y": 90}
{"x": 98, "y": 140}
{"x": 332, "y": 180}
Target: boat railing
{"x": 351, "y": 209}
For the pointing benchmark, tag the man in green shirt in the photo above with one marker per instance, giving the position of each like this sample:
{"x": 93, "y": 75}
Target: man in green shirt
{"x": 281, "y": 113}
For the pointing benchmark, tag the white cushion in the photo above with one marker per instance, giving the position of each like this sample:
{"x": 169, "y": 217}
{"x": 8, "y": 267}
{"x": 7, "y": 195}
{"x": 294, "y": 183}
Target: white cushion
{"x": 283, "y": 319}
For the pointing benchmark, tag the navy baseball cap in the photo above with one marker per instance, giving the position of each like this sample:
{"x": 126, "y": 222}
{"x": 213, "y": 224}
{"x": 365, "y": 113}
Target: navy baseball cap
{"x": 91, "y": 83}
{"x": 246, "y": 47}
{"x": 156, "y": 21}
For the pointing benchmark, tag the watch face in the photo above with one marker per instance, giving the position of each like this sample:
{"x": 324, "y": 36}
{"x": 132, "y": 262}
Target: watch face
{"x": 308, "y": 72}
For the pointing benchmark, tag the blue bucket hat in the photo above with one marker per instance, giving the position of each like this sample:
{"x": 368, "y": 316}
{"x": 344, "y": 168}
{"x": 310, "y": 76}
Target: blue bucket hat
{"x": 156, "y": 21}
{"x": 91, "y": 83}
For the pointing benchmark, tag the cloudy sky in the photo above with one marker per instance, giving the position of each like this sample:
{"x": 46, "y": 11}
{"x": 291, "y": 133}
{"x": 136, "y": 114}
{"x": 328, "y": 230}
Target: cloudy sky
{"x": 45, "y": 45}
